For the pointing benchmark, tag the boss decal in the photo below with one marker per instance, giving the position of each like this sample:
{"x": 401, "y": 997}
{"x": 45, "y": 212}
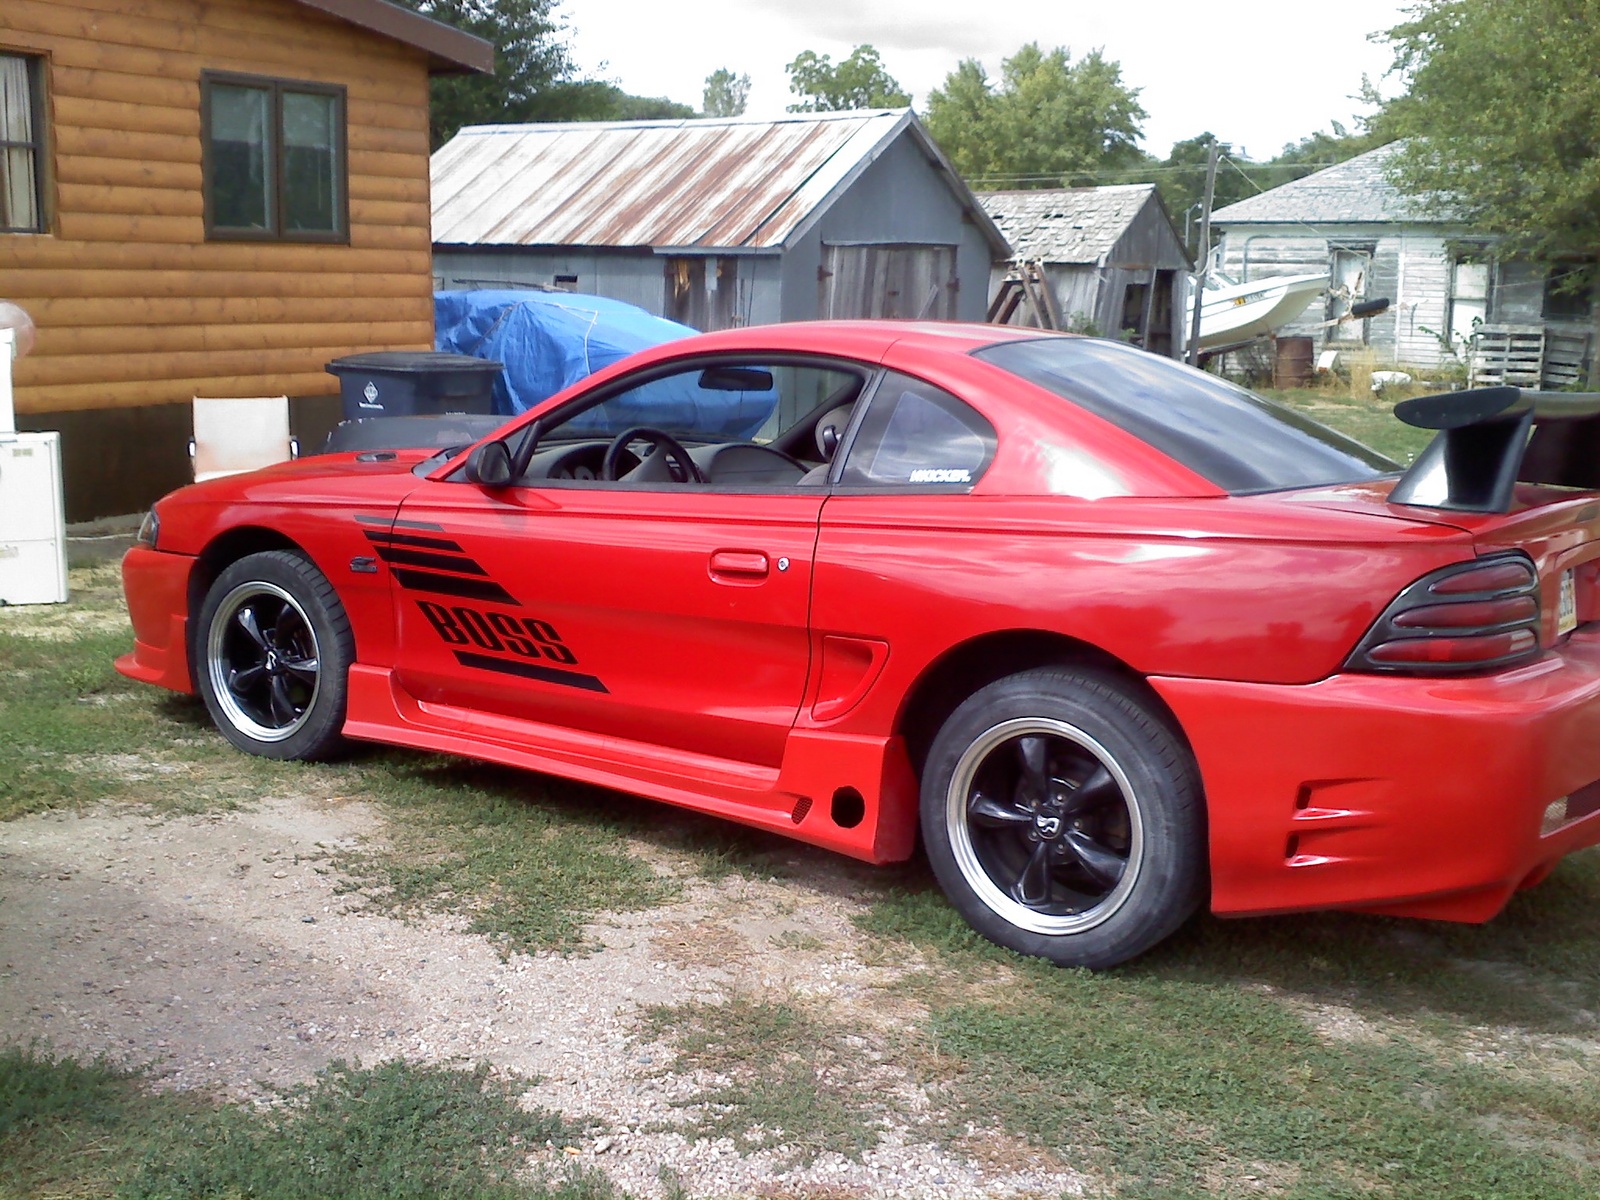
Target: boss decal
{"x": 534, "y": 644}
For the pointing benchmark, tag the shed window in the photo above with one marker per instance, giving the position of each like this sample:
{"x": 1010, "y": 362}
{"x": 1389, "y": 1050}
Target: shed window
{"x": 275, "y": 159}
{"x": 21, "y": 145}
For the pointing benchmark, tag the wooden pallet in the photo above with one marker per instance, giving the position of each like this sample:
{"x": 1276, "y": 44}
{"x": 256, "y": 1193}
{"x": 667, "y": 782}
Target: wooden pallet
{"x": 1506, "y": 355}
{"x": 1528, "y": 356}
{"x": 1566, "y": 360}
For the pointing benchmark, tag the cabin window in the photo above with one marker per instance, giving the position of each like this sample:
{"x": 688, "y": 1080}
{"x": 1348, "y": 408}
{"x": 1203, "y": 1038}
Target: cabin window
{"x": 21, "y": 144}
{"x": 275, "y": 159}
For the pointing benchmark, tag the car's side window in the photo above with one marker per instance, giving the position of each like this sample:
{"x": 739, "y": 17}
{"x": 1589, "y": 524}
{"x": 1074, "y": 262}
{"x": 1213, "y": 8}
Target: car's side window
{"x": 916, "y": 435}
{"x": 728, "y": 423}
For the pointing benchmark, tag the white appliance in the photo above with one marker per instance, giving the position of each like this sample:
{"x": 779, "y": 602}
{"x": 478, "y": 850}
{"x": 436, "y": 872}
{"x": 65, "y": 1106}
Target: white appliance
{"x": 33, "y": 532}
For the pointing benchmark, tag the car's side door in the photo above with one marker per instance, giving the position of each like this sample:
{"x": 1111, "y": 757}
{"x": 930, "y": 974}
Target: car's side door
{"x": 651, "y": 609}
{"x": 896, "y": 543}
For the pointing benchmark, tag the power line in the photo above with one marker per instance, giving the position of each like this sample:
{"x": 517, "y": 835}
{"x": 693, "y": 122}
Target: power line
{"x": 1138, "y": 174}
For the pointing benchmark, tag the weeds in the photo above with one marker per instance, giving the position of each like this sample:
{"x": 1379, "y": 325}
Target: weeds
{"x": 396, "y": 1130}
{"x": 784, "y": 1079}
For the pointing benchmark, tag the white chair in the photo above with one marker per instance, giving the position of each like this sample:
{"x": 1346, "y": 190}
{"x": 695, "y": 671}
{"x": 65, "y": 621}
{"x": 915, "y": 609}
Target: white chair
{"x": 235, "y": 435}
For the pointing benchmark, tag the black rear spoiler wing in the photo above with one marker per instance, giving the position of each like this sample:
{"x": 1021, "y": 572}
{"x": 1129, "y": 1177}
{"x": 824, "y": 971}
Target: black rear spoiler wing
{"x": 1484, "y": 447}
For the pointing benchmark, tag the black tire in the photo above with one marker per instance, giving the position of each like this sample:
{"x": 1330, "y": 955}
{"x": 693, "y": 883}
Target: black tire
{"x": 1063, "y": 818}
{"x": 272, "y": 654}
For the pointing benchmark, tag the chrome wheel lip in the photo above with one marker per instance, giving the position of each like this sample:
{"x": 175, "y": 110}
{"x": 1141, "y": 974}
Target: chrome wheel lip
{"x": 959, "y": 830}
{"x": 218, "y": 664}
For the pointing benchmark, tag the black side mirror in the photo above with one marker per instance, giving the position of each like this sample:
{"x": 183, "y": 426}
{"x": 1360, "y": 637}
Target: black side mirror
{"x": 490, "y": 466}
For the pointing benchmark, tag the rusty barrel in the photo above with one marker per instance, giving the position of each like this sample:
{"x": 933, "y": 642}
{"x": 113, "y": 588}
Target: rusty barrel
{"x": 1291, "y": 365}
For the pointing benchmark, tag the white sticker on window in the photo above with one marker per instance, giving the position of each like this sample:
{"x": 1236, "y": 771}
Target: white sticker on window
{"x": 941, "y": 475}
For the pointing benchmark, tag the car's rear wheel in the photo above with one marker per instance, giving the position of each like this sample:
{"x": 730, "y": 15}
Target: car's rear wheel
{"x": 1063, "y": 818}
{"x": 273, "y": 649}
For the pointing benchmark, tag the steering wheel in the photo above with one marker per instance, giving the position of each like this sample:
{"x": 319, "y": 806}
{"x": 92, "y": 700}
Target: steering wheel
{"x": 679, "y": 465}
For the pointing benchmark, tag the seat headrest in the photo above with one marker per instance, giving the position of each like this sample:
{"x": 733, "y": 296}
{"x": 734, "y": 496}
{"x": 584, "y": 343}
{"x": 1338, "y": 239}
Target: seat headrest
{"x": 834, "y": 419}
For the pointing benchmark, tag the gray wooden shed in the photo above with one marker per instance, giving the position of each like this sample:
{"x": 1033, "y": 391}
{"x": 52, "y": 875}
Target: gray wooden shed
{"x": 718, "y": 222}
{"x": 1110, "y": 257}
{"x": 1445, "y": 280}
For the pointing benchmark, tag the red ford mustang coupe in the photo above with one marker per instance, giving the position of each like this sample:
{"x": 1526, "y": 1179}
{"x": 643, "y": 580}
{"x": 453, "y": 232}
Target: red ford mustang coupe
{"x": 1119, "y": 637}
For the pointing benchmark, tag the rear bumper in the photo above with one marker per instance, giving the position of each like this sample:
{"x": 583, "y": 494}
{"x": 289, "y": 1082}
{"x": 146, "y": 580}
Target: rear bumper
{"x": 1432, "y": 798}
{"x": 157, "y": 587}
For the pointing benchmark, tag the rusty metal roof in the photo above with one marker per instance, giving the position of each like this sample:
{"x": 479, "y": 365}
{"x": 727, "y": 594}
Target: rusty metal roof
{"x": 685, "y": 184}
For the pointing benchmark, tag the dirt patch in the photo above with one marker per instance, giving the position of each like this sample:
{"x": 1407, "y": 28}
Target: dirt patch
{"x": 220, "y": 950}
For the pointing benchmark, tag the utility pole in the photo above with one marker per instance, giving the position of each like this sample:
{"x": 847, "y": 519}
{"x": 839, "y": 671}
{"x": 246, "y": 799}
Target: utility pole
{"x": 1203, "y": 255}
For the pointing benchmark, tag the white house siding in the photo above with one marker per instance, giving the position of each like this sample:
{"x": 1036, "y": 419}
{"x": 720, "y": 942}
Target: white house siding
{"x": 1421, "y": 300}
{"x": 1410, "y": 267}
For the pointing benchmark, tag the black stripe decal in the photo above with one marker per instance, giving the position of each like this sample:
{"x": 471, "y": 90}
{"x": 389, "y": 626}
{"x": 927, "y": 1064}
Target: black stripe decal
{"x": 422, "y": 558}
{"x": 528, "y": 670}
{"x": 453, "y": 585}
{"x": 398, "y": 524}
{"x": 411, "y": 539}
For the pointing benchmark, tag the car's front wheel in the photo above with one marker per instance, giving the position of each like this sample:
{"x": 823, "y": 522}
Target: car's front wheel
{"x": 1063, "y": 818}
{"x": 273, "y": 649}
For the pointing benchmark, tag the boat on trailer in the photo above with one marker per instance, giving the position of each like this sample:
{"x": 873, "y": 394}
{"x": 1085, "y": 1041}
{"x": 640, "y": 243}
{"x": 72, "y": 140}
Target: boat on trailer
{"x": 1232, "y": 313}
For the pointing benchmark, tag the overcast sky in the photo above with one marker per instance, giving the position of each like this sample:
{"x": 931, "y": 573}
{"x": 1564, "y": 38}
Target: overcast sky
{"x": 1257, "y": 73}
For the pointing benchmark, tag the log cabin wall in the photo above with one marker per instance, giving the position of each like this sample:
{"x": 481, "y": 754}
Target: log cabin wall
{"x": 137, "y": 311}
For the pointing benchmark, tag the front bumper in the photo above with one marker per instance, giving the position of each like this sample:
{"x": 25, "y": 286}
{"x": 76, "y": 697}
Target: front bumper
{"x": 157, "y": 587}
{"x": 1419, "y": 797}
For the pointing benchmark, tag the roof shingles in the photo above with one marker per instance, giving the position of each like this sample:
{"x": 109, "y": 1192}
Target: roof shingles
{"x": 1354, "y": 192}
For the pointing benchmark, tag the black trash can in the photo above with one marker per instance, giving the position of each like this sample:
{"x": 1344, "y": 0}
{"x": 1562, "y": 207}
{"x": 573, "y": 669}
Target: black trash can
{"x": 412, "y": 383}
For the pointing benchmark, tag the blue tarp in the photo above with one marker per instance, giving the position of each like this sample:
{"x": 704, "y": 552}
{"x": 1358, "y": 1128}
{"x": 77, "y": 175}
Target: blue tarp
{"x": 549, "y": 340}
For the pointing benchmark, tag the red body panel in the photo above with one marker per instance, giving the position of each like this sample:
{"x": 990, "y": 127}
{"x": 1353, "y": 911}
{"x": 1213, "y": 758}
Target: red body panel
{"x": 754, "y": 655}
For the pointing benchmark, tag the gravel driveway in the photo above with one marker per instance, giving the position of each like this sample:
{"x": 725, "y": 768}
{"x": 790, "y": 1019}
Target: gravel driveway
{"x": 219, "y": 950}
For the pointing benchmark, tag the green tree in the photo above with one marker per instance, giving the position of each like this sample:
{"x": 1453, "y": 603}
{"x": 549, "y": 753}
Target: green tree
{"x": 860, "y": 81}
{"x": 1048, "y": 122}
{"x": 1500, "y": 118}
{"x": 534, "y": 77}
{"x": 726, "y": 94}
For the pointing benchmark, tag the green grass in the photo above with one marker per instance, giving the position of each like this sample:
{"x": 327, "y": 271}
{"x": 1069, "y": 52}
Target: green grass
{"x": 396, "y": 1131}
{"x": 1200, "y": 1063}
{"x": 1370, "y": 421}
{"x": 792, "y": 1082}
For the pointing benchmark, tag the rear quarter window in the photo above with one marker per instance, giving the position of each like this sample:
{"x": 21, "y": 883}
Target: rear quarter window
{"x": 1238, "y": 440}
{"x": 916, "y": 435}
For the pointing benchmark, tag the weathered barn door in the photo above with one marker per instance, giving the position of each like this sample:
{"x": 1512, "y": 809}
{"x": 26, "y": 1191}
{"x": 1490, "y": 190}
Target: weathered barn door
{"x": 917, "y": 282}
{"x": 703, "y": 293}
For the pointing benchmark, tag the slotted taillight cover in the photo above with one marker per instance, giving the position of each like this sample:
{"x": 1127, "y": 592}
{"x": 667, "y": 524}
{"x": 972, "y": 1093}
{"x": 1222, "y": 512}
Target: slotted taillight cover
{"x": 1481, "y": 615}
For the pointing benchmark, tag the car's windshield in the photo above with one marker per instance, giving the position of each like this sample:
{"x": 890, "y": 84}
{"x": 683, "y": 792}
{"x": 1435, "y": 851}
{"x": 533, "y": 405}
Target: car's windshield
{"x": 1238, "y": 440}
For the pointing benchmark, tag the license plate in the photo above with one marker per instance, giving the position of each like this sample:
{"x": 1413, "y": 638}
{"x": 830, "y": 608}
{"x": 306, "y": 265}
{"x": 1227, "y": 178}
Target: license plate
{"x": 1567, "y": 612}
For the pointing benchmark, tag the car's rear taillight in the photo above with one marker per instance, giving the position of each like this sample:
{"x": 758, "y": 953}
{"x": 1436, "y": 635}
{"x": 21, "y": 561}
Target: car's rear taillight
{"x": 1474, "y": 616}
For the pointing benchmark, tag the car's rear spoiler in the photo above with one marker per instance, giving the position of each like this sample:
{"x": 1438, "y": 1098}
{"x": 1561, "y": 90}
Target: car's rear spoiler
{"x": 1484, "y": 449}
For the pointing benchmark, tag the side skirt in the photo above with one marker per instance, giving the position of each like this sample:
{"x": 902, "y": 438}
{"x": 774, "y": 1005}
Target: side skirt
{"x": 854, "y": 795}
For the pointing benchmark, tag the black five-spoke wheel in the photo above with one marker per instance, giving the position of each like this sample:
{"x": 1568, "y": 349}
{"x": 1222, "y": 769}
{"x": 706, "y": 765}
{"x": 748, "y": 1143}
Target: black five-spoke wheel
{"x": 1041, "y": 825}
{"x": 262, "y": 655}
{"x": 1062, "y": 817}
{"x": 274, "y": 646}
